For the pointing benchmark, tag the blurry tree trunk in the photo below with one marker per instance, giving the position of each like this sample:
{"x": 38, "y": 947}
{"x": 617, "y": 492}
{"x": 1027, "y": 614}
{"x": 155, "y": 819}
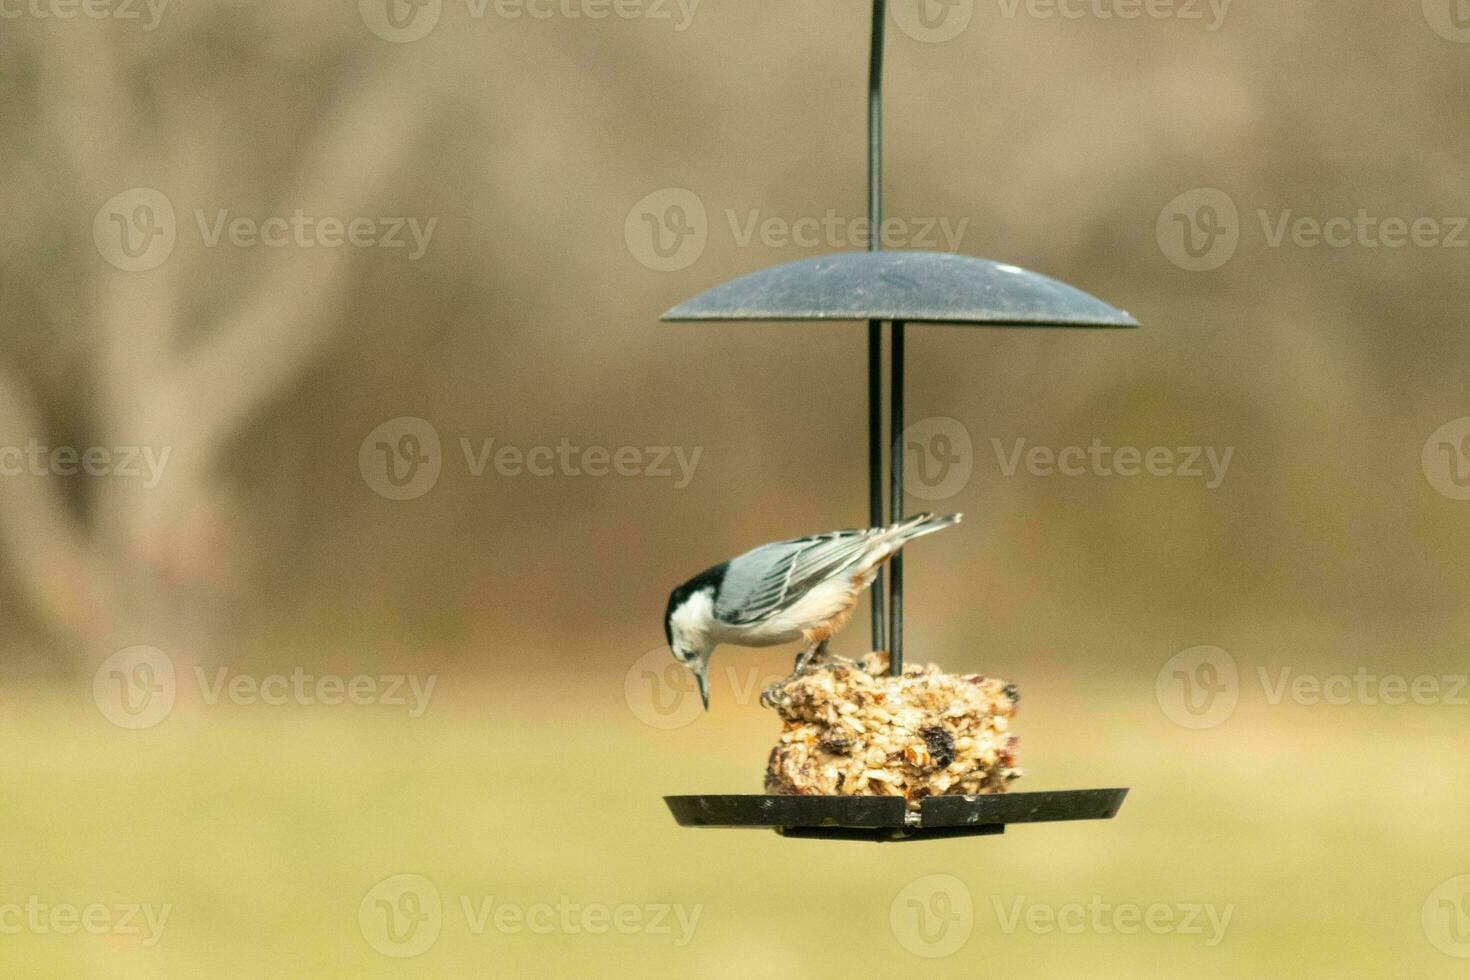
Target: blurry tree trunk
{"x": 144, "y": 565}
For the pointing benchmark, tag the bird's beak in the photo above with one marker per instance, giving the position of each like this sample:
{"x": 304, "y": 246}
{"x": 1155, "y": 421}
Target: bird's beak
{"x": 701, "y": 675}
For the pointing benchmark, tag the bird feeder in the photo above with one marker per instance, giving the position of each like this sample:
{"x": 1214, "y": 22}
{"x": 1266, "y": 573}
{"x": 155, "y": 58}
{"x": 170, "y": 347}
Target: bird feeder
{"x": 897, "y": 289}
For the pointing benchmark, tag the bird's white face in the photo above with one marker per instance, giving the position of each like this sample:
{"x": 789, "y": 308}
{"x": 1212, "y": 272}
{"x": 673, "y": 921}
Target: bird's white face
{"x": 689, "y": 626}
{"x": 690, "y": 641}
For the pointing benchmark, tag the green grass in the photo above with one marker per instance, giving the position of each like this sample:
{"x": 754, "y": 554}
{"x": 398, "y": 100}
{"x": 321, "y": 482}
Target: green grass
{"x": 1324, "y": 829}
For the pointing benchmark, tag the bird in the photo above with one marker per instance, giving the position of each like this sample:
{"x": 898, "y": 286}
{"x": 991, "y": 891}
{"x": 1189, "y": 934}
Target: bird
{"x": 801, "y": 589}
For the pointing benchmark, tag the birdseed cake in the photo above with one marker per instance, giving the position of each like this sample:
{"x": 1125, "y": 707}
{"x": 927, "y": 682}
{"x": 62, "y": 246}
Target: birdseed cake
{"x": 849, "y": 729}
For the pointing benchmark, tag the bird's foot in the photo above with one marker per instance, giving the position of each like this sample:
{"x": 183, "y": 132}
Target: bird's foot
{"x": 775, "y": 696}
{"x": 809, "y": 658}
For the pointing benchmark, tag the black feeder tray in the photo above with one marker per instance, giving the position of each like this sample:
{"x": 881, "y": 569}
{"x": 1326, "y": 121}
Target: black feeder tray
{"x": 897, "y": 288}
{"x": 885, "y": 818}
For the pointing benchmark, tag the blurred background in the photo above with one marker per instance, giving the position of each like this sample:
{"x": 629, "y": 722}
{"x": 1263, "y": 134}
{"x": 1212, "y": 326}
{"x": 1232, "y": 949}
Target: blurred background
{"x": 345, "y": 470}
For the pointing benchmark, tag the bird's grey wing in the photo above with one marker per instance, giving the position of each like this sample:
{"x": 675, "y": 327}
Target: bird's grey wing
{"x": 772, "y": 577}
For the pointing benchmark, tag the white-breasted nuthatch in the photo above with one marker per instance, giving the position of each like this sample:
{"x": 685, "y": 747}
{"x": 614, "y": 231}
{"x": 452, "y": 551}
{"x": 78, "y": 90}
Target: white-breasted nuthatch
{"x": 803, "y": 589}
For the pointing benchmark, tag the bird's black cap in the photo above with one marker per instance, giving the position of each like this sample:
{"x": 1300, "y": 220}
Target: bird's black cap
{"x": 710, "y": 578}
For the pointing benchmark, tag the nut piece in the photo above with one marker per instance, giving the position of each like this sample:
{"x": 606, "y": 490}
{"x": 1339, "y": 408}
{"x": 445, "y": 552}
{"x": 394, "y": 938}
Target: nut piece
{"x": 849, "y": 729}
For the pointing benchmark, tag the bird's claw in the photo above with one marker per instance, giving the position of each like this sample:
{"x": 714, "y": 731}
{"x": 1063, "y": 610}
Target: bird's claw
{"x": 809, "y": 660}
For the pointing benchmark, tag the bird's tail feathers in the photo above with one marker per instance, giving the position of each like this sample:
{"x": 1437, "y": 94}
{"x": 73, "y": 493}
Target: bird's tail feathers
{"x": 922, "y": 524}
